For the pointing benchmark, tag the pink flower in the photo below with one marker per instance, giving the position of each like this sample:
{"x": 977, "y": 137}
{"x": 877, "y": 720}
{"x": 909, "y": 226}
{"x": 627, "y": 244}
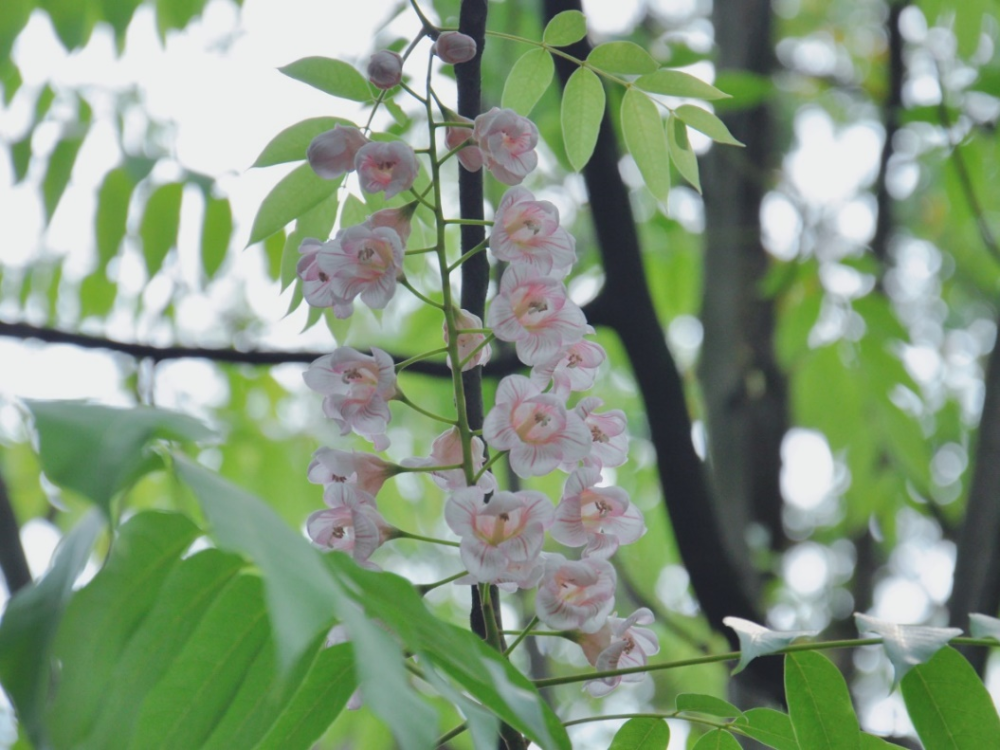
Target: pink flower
{"x": 500, "y": 538}
{"x": 332, "y": 466}
{"x": 390, "y": 166}
{"x": 317, "y": 284}
{"x": 363, "y": 261}
{"x": 397, "y": 219}
{"x": 508, "y": 142}
{"x": 470, "y": 156}
{"x": 385, "y": 69}
{"x": 600, "y": 517}
{"x": 356, "y": 387}
{"x": 629, "y": 646}
{"x": 332, "y": 154}
{"x": 608, "y": 432}
{"x": 352, "y": 524}
{"x": 536, "y": 428}
{"x": 454, "y": 47}
{"x": 574, "y": 368}
{"x": 527, "y": 231}
{"x": 467, "y": 342}
{"x": 576, "y": 595}
{"x": 447, "y": 451}
{"x": 534, "y": 312}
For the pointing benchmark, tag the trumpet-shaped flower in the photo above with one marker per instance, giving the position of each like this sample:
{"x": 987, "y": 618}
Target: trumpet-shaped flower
{"x": 608, "y": 431}
{"x": 535, "y": 427}
{"x": 390, "y": 166}
{"x": 534, "y": 312}
{"x": 573, "y": 368}
{"x": 447, "y": 451}
{"x": 628, "y": 646}
{"x": 600, "y": 517}
{"x": 364, "y": 470}
{"x": 507, "y": 141}
{"x": 468, "y": 342}
{"x": 317, "y": 284}
{"x": 527, "y": 232}
{"x": 332, "y": 154}
{"x": 357, "y": 388}
{"x": 363, "y": 261}
{"x": 352, "y": 524}
{"x": 502, "y": 537}
{"x": 576, "y": 595}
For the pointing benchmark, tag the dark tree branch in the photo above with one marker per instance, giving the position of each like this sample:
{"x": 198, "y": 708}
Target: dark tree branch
{"x": 13, "y": 563}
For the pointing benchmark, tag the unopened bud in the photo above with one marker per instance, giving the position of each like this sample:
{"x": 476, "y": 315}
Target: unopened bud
{"x": 385, "y": 69}
{"x": 454, "y": 47}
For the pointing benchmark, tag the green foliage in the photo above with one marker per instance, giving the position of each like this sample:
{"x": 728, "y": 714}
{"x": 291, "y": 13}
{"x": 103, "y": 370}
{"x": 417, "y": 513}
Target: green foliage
{"x": 681, "y": 152}
{"x": 707, "y": 123}
{"x": 627, "y": 58}
{"x": 646, "y": 141}
{"x": 62, "y": 159}
{"x": 771, "y": 727}
{"x": 299, "y": 191}
{"x": 819, "y": 703}
{"x": 642, "y": 734}
{"x": 216, "y": 231}
{"x": 717, "y": 739}
{"x": 528, "y": 80}
{"x": 160, "y": 224}
{"x": 333, "y": 77}
{"x": 582, "y": 111}
{"x": 565, "y": 28}
{"x": 110, "y": 224}
{"x": 707, "y": 704}
{"x": 678, "y": 83}
{"x": 291, "y": 143}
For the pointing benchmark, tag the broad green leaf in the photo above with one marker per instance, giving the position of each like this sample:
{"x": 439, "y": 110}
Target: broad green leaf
{"x": 317, "y": 222}
{"x": 119, "y": 14}
{"x": 98, "y": 450}
{"x": 949, "y": 706}
{"x": 29, "y": 625}
{"x": 646, "y": 141}
{"x": 297, "y": 192}
{"x": 871, "y": 742}
{"x": 14, "y": 15}
{"x": 113, "y": 605}
{"x": 160, "y": 223}
{"x": 97, "y": 295}
{"x": 627, "y": 58}
{"x": 333, "y": 77}
{"x": 216, "y": 230}
{"x": 71, "y": 20}
{"x": 746, "y": 89}
{"x": 642, "y": 734}
{"x": 906, "y": 645}
{"x": 20, "y": 156}
{"x": 176, "y": 14}
{"x": 113, "y": 200}
{"x": 292, "y": 142}
{"x": 984, "y": 626}
{"x": 707, "y": 123}
{"x": 819, "y": 703}
{"x": 681, "y": 153}
{"x": 565, "y": 28}
{"x": 969, "y": 23}
{"x": 582, "y": 111}
{"x": 707, "y": 704}
{"x": 10, "y": 78}
{"x": 676, "y": 83}
{"x": 60, "y": 166}
{"x": 771, "y": 727}
{"x": 274, "y": 246}
{"x": 527, "y": 81}
{"x": 756, "y": 640}
{"x": 354, "y": 211}
{"x": 717, "y": 739}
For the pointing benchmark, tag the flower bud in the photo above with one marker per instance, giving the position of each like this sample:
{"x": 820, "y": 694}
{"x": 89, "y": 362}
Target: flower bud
{"x": 385, "y": 69}
{"x": 454, "y": 47}
{"x": 331, "y": 154}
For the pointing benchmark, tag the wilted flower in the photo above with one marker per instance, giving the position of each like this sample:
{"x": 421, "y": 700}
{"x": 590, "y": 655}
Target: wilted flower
{"x": 385, "y": 69}
{"x": 390, "y": 166}
{"x": 332, "y": 154}
{"x": 453, "y": 47}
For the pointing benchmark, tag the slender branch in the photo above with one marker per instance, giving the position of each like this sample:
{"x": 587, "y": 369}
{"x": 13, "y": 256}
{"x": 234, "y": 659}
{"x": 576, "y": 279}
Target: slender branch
{"x": 426, "y": 587}
{"x": 402, "y": 397}
{"x": 400, "y": 534}
{"x": 521, "y": 636}
{"x": 13, "y": 562}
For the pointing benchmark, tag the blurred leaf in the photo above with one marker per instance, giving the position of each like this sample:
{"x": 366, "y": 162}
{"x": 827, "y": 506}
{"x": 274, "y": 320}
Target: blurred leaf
{"x": 97, "y": 295}
{"x": 71, "y": 19}
{"x": 707, "y": 704}
{"x": 60, "y": 167}
{"x": 273, "y": 248}
{"x": 819, "y": 703}
{"x": 771, "y": 727}
{"x": 20, "y": 157}
{"x": 746, "y": 89}
{"x": 119, "y": 14}
{"x": 176, "y": 14}
{"x": 292, "y": 142}
{"x": 10, "y": 78}
{"x": 627, "y": 58}
{"x": 110, "y": 224}
{"x": 527, "y": 81}
{"x": 707, "y": 123}
{"x": 717, "y": 739}
{"x": 160, "y": 224}
{"x": 756, "y": 640}
{"x": 906, "y": 645}
{"x": 681, "y": 153}
{"x": 642, "y": 734}
{"x": 646, "y": 141}
{"x": 297, "y": 192}
{"x": 949, "y": 705}
{"x": 677, "y": 83}
{"x": 969, "y": 23}
{"x": 14, "y": 16}
{"x": 30, "y": 622}
{"x": 99, "y": 450}
{"x": 333, "y": 77}
{"x": 565, "y": 28}
{"x": 582, "y": 111}
{"x": 216, "y": 231}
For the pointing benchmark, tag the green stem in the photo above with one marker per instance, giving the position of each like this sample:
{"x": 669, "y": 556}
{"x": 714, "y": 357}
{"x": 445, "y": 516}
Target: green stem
{"x": 421, "y": 251}
{"x": 470, "y": 222}
{"x": 428, "y": 469}
{"x": 538, "y": 633}
{"x": 451, "y": 734}
{"x": 486, "y": 466}
{"x": 426, "y": 355}
{"x": 400, "y": 534}
{"x": 400, "y": 396}
{"x": 474, "y": 251}
{"x": 521, "y": 636}
{"x": 423, "y": 589}
{"x": 482, "y": 344}
{"x": 493, "y": 637}
{"x": 419, "y": 295}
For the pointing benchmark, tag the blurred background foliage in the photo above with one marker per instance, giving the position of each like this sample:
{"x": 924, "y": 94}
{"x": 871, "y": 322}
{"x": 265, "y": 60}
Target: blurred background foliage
{"x": 874, "y": 205}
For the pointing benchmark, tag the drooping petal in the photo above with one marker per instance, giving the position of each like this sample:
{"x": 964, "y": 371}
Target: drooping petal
{"x": 906, "y": 645}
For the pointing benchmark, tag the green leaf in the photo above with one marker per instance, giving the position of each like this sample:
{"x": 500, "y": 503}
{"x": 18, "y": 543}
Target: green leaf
{"x": 297, "y": 192}
{"x": 216, "y": 229}
{"x": 906, "y": 645}
{"x": 819, "y": 703}
{"x": 771, "y": 727}
{"x": 14, "y": 16}
{"x": 160, "y": 224}
{"x": 675, "y": 83}
{"x": 746, "y": 89}
{"x": 565, "y": 28}
{"x": 717, "y": 739}
{"x": 111, "y": 221}
{"x": 707, "y": 704}
{"x": 176, "y": 14}
{"x": 97, "y": 295}
{"x": 642, "y": 734}
{"x": 333, "y": 77}
{"x": 113, "y": 605}
{"x": 681, "y": 153}
{"x": 969, "y": 24}
{"x": 119, "y": 14}
{"x": 871, "y": 742}
{"x": 60, "y": 168}
{"x": 99, "y": 450}
{"x": 274, "y": 246}
{"x": 627, "y": 58}
{"x": 527, "y": 81}
{"x": 20, "y": 156}
{"x": 646, "y": 141}
{"x": 30, "y": 622}
{"x": 704, "y": 121}
{"x": 292, "y": 142}
{"x": 949, "y": 706}
{"x": 756, "y": 640}
{"x": 582, "y": 111}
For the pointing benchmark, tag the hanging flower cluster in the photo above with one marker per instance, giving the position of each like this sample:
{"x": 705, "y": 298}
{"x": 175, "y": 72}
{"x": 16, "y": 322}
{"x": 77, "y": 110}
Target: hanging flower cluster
{"x": 532, "y": 421}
